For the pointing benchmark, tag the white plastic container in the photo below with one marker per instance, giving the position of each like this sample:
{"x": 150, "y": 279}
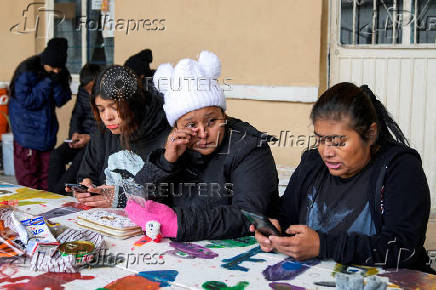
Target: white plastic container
{"x": 8, "y": 153}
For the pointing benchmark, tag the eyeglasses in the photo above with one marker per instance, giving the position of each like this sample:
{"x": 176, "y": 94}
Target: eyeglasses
{"x": 211, "y": 123}
{"x": 332, "y": 140}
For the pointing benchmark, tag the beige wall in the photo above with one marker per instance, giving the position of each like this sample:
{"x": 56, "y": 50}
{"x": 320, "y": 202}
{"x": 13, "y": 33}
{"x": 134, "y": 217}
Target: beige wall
{"x": 14, "y": 47}
{"x": 259, "y": 43}
{"x": 274, "y": 117}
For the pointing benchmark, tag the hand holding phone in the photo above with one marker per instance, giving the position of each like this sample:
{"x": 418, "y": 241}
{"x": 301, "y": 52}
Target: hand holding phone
{"x": 77, "y": 187}
{"x": 80, "y": 188}
{"x": 262, "y": 224}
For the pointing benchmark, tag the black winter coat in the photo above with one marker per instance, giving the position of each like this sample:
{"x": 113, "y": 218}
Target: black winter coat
{"x": 106, "y": 161}
{"x": 399, "y": 199}
{"x": 207, "y": 192}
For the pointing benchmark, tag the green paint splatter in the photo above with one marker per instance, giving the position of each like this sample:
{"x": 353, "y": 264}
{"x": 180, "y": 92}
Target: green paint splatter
{"x": 218, "y": 285}
{"x": 232, "y": 243}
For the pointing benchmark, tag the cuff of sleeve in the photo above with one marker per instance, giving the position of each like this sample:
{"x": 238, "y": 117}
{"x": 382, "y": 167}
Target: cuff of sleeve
{"x": 165, "y": 165}
{"x": 323, "y": 247}
{"x": 115, "y": 199}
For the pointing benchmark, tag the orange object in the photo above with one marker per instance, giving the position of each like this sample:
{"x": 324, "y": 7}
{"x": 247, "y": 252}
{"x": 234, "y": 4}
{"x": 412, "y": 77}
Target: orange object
{"x": 4, "y": 100}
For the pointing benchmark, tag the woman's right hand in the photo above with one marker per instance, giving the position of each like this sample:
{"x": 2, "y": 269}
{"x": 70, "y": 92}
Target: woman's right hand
{"x": 178, "y": 142}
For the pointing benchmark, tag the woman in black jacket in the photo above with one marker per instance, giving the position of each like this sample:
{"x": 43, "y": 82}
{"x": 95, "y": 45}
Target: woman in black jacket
{"x": 212, "y": 165}
{"x": 361, "y": 197}
{"x": 131, "y": 124}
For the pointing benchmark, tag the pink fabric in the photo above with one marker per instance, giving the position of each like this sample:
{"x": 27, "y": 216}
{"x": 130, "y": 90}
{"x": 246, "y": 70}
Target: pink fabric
{"x": 153, "y": 211}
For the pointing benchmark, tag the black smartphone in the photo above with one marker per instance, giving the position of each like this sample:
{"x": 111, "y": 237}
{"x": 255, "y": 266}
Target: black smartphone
{"x": 262, "y": 224}
{"x": 77, "y": 187}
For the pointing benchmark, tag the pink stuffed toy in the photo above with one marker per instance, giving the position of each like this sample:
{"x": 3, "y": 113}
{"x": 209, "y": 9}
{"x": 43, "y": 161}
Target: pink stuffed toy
{"x": 153, "y": 211}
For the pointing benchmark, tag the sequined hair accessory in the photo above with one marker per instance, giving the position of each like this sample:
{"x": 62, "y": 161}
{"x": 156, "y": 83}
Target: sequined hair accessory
{"x": 118, "y": 82}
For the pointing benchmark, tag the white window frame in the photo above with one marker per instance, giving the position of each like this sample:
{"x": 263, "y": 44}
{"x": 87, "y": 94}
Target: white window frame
{"x": 405, "y": 39}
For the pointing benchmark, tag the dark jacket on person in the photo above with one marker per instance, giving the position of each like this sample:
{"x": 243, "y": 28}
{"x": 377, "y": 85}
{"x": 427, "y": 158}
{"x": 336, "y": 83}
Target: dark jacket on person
{"x": 107, "y": 161}
{"x": 207, "y": 192}
{"x": 399, "y": 201}
{"x": 82, "y": 119}
{"x": 34, "y": 96}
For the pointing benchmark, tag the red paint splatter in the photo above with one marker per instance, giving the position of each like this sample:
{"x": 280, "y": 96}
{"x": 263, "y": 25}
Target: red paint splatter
{"x": 142, "y": 241}
{"x": 41, "y": 204}
{"x": 53, "y": 281}
{"x": 132, "y": 283}
{"x": 76, "y": 205}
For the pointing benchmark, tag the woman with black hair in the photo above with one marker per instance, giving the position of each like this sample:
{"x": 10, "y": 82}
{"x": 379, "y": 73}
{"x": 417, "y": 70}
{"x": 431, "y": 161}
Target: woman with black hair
{"x": 131, "y": 124}
{"x": 39, "y": 85}
{"x": 362, "y": 196}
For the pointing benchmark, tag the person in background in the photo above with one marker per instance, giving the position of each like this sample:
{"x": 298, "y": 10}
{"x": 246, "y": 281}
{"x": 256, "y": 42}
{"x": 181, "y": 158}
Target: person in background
{"x": 140, "y": 64}
{"x": 39, "y": 84}
{"x": 362, "y": 196}
{"x": 131, "y": 124}
{"x": 81, "y": 125}
{"x": 212, "y": 165}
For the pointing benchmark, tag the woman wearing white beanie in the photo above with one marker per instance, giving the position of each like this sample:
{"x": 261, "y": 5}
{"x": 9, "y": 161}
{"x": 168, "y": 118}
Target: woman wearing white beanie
{"x": 212, "y": 165}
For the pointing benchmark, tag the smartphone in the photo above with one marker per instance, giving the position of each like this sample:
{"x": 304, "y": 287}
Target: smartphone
{"x": 77, "y": 187}
{"x": 262, "y": 224}
{"x": 71, "y": 141}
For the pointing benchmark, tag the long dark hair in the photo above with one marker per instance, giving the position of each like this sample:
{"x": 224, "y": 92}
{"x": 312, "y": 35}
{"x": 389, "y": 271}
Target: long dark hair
{"x": 361, "y": 106}
{"x": 120, "y": 84}
{"x": 34, "y": 64}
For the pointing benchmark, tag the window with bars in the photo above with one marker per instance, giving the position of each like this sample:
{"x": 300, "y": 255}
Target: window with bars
{"x": 387, "y": 22}
{"x": 81, "y": 25}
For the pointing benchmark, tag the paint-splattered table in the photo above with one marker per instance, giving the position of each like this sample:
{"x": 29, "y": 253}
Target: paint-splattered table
{"x": 226, "y": 264}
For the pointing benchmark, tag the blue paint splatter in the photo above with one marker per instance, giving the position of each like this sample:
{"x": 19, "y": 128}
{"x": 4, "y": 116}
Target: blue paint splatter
{"x": 163, "y": 276}
{"x": 287, "y": 269}
{"x": 292, "y": 266}
{"x": 234, "y": 263}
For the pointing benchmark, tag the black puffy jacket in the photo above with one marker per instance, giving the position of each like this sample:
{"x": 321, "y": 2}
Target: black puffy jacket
{"x": 207, "y": 192}
{"x": 399, "y": 199}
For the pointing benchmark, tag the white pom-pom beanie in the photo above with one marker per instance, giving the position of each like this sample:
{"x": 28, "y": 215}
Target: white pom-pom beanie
{"x": 190, "y": 85}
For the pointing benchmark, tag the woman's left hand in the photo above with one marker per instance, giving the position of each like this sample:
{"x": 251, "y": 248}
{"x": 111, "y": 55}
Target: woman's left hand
{"x": 302, "y": 246}
{"x": 103, "y": 197}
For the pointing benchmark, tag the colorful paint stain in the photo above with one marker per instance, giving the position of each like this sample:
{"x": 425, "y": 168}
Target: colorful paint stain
{"x": 57, "y": 212}
{"x": 232, "y": 243}
{"x": 287, "y": 269}
{"x": 132, "y": 283}
{"x": 234, "y": 263}
{"x": 77, "y": 205}
{"x": 191, "y": 251}
{"x": 411, "y": 279}
{"x": 284, "y": 286}
{"x": 47, "y": 280}
{"x": 352, "y": 269}
{"x": 162, "y": 276}
{"x": 218, "y": 285}
{"x": 8, "y": 185}
{"x": 26, "y": 193}
{"x": 142, "y": 241}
